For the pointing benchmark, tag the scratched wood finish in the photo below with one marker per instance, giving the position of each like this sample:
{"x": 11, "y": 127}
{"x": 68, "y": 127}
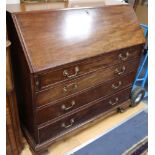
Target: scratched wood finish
{"x": 45, "y": 58}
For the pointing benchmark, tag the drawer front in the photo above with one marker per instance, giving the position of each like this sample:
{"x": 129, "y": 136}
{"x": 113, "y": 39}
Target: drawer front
{"x": 67, "y": 72}
{"x": 72, "y": 121}
{"x": 90, "y": 80}
{"x": 60, "y": 108}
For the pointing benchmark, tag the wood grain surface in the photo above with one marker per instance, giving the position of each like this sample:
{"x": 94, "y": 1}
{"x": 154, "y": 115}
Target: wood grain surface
{"x": 76, "y": 34}
{"x": 66, "y": 55}
{"x": 80, "y": 117}
{"x": 14, "y": 138}
{"x": 56, "y": 75}
{"x": 94, "y": 92}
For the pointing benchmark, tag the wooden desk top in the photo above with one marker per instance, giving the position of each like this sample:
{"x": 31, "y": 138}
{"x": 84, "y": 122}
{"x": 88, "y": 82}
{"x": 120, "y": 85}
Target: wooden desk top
{"x": 54, "y": 38}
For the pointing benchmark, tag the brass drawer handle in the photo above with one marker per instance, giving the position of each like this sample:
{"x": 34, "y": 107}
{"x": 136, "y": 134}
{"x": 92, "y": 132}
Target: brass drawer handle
{"x": 63, "y": 107}
{"x": 113, "y": 103}
{"x": 114, "y": 86}
{"x": 72, "y": 85}
{"x": 65, "y": 72}
{"x": 120, "y": 71}
{"x": 67, "y": 126}
{"x": 124, "y": 57}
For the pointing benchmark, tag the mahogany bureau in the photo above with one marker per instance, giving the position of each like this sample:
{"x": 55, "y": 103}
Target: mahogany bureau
{"x": 72, "y": 66}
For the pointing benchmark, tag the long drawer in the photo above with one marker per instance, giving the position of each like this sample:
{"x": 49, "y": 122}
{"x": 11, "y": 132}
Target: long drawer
{"x": 67, "y": 123}
{"x": 70, "y": 71}
{"x": 74, "y": 102}
{"x": 90, "y": 80}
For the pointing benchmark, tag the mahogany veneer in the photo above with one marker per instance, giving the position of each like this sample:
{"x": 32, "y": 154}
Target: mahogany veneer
{"x": 72, "y": 66}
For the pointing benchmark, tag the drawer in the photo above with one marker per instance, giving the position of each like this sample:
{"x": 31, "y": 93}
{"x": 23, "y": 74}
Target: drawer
{"x": 72, "y": 103}
{"x": 71, "y": 71}
{"x": 69, "y": 122}
{"x": 90, "y": 80}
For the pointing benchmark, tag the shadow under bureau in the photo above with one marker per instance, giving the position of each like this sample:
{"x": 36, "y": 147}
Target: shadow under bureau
{"x": 71, "y": 67}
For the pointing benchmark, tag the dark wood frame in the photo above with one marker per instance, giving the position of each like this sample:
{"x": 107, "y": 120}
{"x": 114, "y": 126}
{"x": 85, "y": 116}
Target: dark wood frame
{"x": 14, "y": 139}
